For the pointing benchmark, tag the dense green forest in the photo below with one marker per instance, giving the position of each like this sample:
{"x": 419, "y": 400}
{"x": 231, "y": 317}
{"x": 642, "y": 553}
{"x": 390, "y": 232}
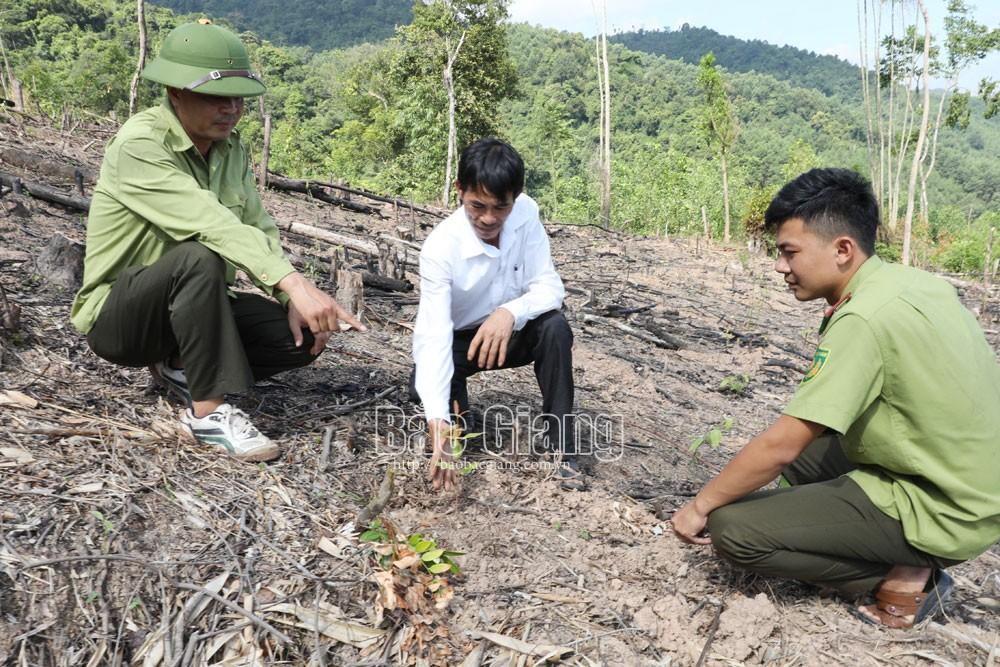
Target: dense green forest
{"x": 375, "y": 114}
{"x": 803, "y": 69}
{"x": 318, "y": 25}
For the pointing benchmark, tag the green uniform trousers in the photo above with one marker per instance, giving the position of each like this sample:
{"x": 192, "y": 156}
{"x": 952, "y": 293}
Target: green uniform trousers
{"x": 822, "y": 530}
{"x": 180, "y": 305}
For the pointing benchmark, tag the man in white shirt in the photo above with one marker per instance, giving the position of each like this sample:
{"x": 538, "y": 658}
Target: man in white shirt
{"x": 490, "y": 298}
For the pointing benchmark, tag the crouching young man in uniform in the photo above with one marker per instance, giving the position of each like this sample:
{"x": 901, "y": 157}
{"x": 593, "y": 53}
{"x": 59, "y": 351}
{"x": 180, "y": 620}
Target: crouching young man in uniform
{"x": 174, "y": 214}
{"x": 891, "y": 443}
{"x": 490, "y": 298}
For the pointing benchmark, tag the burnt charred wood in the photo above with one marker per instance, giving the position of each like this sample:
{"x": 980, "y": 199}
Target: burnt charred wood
{"x": 317, "y": 191}
{"x": 367, "y": 194}
{"x": 44, "y": 192}
{"x": 385, "y": 283}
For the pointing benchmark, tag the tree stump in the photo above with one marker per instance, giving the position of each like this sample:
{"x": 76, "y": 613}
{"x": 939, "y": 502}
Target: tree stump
{"x": 350, "y": 292}
{"x": 61, "y": 262}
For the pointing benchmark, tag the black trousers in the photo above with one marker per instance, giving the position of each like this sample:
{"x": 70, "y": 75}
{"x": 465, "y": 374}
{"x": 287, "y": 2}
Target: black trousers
{"x": 823, "y": 530}
{"x": 180, "y": 305}
{"x": 546, "y": 342}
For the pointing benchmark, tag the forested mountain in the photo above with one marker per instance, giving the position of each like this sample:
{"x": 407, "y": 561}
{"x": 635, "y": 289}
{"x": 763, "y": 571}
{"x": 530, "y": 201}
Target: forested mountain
{"x": 803, "y": 69}
{"x": 319, "y": 25}
{"x": 375, "y": 114}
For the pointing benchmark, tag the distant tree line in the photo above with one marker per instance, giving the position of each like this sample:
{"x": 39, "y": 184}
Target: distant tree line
{"x": 376, "y": 115}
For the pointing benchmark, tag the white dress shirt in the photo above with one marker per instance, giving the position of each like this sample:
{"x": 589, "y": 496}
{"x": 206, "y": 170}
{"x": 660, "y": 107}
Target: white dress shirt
{"x": 463, "y": 280}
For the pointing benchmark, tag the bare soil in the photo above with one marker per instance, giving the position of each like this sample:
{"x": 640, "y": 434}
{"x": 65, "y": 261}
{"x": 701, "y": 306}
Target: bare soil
{"x": 113, "y": 523}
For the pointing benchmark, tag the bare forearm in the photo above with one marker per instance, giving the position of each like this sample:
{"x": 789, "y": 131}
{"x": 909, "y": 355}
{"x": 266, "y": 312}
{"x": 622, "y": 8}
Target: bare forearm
{"x": 758, "y": 463}
{"x": 751, "y": 468}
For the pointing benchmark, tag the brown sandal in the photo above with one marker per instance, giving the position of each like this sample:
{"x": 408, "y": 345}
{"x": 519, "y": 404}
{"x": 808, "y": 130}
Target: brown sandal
{"x": 892, "y": 607}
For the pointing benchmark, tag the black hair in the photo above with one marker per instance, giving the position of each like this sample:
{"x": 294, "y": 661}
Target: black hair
{"x": 831, "y": 202}
{"x": 491, "y": 165}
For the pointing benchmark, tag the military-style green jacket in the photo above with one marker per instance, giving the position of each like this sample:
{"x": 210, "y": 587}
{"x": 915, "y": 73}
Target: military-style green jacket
{"x": 155, "y": 191}
{"x": 905, "y": 375}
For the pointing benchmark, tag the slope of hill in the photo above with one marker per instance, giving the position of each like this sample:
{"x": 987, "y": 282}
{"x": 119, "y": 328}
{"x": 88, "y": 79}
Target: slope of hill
{"x": 803, "y": 69}
{"x": 319, "y": 25}
{"x": 121, "y": 542}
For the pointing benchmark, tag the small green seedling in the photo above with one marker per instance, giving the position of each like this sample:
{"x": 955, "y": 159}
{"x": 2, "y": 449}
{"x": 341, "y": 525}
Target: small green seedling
{"x": 735, "y": 384}
{"x": 434, "y": 558}
{"x": 458, "y": 445}
{"x": 712, "y": 436}
{"x": 376, "y": 532}
{"x": 105, "y": 523}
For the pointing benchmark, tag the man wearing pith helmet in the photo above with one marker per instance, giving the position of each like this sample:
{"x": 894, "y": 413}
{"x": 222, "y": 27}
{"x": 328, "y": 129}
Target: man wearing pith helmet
{"x": 175, "y": 213}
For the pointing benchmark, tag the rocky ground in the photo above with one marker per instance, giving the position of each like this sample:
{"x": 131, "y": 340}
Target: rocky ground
{"x": 123, "y": 542}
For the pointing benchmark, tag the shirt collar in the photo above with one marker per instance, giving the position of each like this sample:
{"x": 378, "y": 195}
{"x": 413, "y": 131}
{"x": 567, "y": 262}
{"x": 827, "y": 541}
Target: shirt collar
{"x": 870, "y": 266}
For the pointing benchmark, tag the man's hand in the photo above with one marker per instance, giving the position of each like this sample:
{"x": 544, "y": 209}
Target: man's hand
{"x": 312, "y": 308}
{"x": 689, "y": 524}
{"x": 297, "y": 323}
{"x": 490, "y": 342}
{"x": 442, "y": 473}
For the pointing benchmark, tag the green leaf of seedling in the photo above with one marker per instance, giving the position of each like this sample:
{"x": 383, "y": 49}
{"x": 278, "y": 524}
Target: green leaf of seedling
{"x": 471, "y": 435}
{"x": 727, "y": 425}
{"x": 452, "y": 554}
{"x": 91, "y": 597}
{"x": 414, "y": 539}
{"x": 369, "y": 536}
{"x": 468, "y": 468}
{"x": 134, "y": 604}
{"x": 714, "y": 438}
{"x": 695, "y": 444}
{"x": 439, "y": 568}
{"x": 422, "y": 546}
{"x": 584, "y": 534}
{"x": 432, "y": 555}
{"x": 105, "y": 524}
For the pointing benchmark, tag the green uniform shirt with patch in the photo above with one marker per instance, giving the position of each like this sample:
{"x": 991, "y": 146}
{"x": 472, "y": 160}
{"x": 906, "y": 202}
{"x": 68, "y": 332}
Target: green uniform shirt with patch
{"x": 155, "y": 191}
{"x": 905, "y": 375}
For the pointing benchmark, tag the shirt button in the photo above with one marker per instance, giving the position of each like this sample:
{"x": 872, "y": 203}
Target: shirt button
{"x": 263, "y": 277}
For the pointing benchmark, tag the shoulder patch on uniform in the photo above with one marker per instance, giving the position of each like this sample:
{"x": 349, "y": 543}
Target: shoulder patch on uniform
{"x": 819, "y": 361}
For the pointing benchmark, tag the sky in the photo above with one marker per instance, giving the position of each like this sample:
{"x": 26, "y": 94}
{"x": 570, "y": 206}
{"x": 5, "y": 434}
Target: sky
{"x": 824, "y": 26}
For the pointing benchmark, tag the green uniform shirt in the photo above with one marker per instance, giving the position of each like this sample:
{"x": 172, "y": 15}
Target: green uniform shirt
{"x": 155, "y": 191}
{"x": 905, "y": 375}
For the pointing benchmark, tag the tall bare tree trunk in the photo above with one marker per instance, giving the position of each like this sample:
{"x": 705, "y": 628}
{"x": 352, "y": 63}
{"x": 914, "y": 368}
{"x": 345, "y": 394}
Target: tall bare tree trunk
{"x": 604, "y": 88}
{"x": 265, "y": 153}
{"x": 449, "y": 83}
{"x": 134, "y": 88}
{"x": 725, "y": 194}
{"x": 921, "y": 135}
{"x": 606, "y": 183}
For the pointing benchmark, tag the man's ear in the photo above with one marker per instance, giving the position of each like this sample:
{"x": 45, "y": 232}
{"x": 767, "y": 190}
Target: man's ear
{"x": 459, "y": 190}
{"x": 847, "y": 249}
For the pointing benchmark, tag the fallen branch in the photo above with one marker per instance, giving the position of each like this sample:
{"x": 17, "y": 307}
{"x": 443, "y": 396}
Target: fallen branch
{"x": 385, "y": 283}
{"x": 315, "y": 190}
{"x": 356, "y": 244}
{"x": 367, "y": 194}
{"x": 45, "y": 193}
{"x": 631, "y": 331}
{"x": 34, "y": 162}
{"x": 378, "y": 503}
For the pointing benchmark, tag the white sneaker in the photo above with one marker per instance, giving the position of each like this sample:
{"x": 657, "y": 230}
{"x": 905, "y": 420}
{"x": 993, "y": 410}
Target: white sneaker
{"x": 230, "y": 428}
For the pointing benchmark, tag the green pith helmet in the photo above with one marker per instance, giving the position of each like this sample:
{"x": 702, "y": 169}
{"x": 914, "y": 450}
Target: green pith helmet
{"x": 207, "y": 59}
